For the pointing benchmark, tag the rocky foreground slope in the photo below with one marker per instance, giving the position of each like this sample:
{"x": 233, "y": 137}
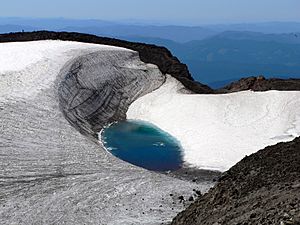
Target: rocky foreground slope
{"x": 263, "y": 188}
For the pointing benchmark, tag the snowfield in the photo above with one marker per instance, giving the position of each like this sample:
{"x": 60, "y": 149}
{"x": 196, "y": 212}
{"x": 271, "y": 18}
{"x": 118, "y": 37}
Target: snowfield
{"x": 217, "y": 131}
{"x": 49, "y": 172}
{"x": 28, "y": 67}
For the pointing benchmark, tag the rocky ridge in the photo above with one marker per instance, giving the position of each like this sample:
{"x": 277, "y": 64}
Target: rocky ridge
{"x": 260, "y": 83}
{"x": 160, "y": 56}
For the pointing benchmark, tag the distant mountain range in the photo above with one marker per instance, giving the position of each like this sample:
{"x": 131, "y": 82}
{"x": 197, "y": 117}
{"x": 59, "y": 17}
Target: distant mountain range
{"x": 109, "y": 29}
{"x": 215, "y": 54}
{"x": 232, "y": 55}
{"x": 114, "y": 29}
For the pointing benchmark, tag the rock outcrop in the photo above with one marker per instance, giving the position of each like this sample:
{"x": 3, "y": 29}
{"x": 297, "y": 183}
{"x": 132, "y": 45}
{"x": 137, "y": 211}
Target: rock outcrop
{"x": 260, "y": 83}
{"x": 263, "y": 188}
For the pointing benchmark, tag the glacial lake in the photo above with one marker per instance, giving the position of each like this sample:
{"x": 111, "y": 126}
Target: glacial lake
{"x": 143, "y": 144}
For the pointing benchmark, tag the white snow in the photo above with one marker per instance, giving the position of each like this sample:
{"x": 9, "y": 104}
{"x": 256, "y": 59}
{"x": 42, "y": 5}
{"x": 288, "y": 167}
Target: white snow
{"x": 36, "y": 141}
{"x": 25, "y": 67}
{"x": 217, "y": 131}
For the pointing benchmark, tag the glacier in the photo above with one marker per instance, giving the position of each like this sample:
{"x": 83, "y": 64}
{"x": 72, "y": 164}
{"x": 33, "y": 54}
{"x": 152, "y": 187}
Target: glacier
{"x": 55, "y": 97}
{"x": 52, "y": 174}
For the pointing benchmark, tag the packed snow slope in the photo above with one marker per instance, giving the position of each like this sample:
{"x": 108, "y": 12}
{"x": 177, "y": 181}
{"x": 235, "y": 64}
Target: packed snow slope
{"x": 49, "y": 172}
{"x": 217, "y": 131}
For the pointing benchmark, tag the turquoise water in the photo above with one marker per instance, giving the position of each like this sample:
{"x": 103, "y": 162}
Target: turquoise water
{"x": 143, "y": 144}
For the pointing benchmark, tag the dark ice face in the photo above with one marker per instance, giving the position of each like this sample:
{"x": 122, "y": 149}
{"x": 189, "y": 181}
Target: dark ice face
{"x": 98, "y": 88}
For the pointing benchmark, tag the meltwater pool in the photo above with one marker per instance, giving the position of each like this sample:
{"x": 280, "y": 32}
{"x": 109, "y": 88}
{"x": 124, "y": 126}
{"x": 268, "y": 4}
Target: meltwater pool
{"x": 143, "y": 144}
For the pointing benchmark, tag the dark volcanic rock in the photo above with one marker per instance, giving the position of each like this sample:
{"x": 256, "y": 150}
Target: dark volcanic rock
{"x": 260, "y": 83}
{"x": 263, "y": 188}
{"x": 160, "y": 56}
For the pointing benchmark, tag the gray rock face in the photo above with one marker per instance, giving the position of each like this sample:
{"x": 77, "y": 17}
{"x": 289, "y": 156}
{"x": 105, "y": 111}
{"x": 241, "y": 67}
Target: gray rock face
{"x": 51, "y": 174}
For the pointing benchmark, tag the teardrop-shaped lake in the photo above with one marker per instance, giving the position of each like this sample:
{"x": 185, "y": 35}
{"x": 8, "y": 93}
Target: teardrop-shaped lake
{"x": 143, "y": 144}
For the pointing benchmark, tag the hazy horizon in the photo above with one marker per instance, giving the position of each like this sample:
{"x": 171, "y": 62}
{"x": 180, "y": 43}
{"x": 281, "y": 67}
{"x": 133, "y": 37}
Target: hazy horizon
{"x": 167, "y": 12}
{"x": 142, "y": 22}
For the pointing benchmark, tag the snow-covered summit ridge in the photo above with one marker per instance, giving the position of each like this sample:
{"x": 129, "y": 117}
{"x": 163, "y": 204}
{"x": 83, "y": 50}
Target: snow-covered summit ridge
{"x": 217, "y": 131}
{"x": 18, "y": 55}
{"x": 24, "y": 65}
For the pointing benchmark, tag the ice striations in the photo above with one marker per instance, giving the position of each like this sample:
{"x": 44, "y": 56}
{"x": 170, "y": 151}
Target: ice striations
{"x": 217, "y": 131}
{"x": 49, "y": 172}
{"x": 97, "y": 88}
